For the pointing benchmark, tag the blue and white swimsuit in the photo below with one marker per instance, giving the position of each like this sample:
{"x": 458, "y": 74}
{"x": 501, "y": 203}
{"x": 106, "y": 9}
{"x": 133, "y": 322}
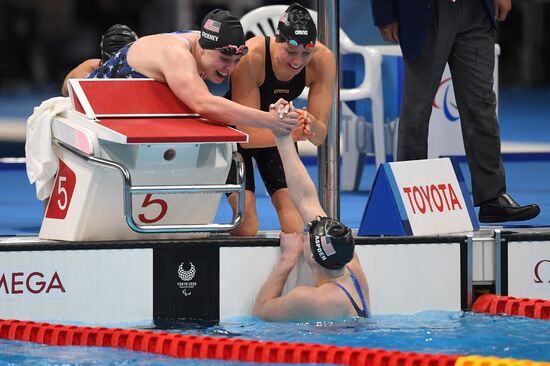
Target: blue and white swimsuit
{"x": 117, "y": 66}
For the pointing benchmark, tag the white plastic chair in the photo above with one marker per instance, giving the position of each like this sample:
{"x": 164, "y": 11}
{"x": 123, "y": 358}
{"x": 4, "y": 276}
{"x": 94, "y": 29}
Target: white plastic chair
{"x": 264, "y": 20}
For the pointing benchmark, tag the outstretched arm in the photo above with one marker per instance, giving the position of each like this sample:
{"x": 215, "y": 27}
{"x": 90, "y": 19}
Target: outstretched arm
{"x": 269, "y": 297}
{"x": 302, "y": 303}
{"x": 81, "y": 71}
{"x": 300, "y": 186}
{"x": 180, "y": 72}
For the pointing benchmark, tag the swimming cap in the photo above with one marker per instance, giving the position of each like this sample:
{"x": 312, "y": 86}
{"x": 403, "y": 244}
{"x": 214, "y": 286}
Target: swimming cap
{"x": 331, "y": 242}
{"x": 296, "y": 27}
{"x": 222, "y": 31}
{"x": 114, "y": 39}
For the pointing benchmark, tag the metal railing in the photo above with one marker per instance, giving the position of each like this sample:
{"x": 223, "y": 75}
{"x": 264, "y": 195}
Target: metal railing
{"x": 130, "y": 190}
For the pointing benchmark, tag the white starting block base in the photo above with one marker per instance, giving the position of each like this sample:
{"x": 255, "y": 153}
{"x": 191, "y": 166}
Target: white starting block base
{"x": 133, "y": 165}
{"x": 96, "y": 210}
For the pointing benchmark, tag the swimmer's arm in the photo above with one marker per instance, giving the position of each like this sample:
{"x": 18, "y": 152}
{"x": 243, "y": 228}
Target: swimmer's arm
{"x": 269, "y": 297}
{"x": 179, "y": 70}
{"x": 301, "y": 303}
{"x": 320, "y": 94}
{"x": 81, "y": 71}
{"x": 270, "y": 304}
{"x": 300, "y": 186}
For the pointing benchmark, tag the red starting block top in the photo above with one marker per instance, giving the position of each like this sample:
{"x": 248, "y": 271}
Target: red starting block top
{"x": 125, "y": 97}
{"x": 143, "y": 111}
{"x": 162, "y": 130}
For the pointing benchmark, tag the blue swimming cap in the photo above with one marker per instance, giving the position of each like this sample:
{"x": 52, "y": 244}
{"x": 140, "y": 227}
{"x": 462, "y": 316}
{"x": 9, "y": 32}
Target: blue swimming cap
{"x": 331, "y": 242}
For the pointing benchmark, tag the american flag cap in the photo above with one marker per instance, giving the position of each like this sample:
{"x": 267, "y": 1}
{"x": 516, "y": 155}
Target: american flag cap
{"x": 219, "y": 29}
{"x": 212, "y": 25}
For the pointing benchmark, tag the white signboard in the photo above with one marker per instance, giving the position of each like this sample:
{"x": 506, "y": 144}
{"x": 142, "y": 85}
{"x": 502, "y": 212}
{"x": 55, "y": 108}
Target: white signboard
{"x": 432, "y": 197}
{"x": 78, "y": 286}
{"x": 396, "y": 284}
{"x": 529, "y": 270}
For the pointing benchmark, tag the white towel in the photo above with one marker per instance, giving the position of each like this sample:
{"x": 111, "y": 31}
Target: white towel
{"x": 42, "y": 163}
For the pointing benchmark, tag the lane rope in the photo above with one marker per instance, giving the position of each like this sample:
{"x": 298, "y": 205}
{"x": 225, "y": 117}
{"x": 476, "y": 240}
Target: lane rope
{"x": 495, "y": 304}
{"x": 232, "y": 349}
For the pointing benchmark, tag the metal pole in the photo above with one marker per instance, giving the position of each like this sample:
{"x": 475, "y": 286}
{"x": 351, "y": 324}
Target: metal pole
{"x": 328, "y": 154}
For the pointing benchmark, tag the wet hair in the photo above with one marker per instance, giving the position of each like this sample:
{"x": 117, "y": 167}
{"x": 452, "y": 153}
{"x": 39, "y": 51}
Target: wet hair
{"x": 114, "y": 39}
{"x": 331, "y": 242}
{"x": 296, "y": 27}
{"x": 221, "y": 30}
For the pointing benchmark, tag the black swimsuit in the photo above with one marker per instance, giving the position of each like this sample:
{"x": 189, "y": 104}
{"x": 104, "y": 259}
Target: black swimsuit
{"x": 267, "y": 159}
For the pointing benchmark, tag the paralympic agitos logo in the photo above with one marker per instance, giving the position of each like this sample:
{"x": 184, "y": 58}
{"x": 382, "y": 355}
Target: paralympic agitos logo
{"x": 448, "y": 104}
{"x": 34, "y": 283}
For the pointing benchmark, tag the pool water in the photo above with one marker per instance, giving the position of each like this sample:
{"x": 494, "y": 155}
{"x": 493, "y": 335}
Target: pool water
{"x": 436, "y": 332}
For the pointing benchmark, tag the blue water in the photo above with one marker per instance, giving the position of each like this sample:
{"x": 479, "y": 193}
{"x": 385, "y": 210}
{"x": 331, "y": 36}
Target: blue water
{"x": 435, "y": 332}
{"x": 25, "y": 353}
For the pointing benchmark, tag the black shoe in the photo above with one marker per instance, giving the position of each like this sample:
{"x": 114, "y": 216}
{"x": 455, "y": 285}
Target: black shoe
{"x": 504, "y": 208}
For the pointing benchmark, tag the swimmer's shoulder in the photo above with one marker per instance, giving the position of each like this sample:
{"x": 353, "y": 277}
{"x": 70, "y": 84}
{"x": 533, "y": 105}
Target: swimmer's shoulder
{"x": 186, "y": 38}
{"x": 254, "y": 61}
{"x": 255, "y": 58}
{"x": 322, "y": 64}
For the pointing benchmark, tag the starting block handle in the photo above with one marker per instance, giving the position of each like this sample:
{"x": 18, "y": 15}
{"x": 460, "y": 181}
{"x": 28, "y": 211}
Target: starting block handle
{"x": 129, "y": 190}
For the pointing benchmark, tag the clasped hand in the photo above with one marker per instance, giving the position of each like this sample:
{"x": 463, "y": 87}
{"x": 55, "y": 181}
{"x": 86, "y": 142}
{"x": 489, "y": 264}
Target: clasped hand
{"x": 303, "y": 129}
{"x": 291, "y": 245}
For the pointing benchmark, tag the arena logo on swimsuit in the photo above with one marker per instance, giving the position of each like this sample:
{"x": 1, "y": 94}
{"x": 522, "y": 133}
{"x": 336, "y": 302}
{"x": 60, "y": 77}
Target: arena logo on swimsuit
{"x": 440, "y": 197}
{"x": 34, "y": 283}
{"x": 281, "y": 91}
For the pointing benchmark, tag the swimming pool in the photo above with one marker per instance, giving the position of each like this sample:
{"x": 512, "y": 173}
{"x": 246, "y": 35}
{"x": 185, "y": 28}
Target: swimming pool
{"x": 433, "y": 332}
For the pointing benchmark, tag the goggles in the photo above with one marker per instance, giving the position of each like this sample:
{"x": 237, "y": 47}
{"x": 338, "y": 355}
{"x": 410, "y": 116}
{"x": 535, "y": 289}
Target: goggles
{"x": 315, "y": 221}
{"x": 232, "y": 50}
{"x": 294, "y": 42}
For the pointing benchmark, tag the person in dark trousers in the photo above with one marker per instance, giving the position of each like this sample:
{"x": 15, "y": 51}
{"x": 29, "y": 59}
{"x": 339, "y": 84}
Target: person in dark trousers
{"x": 462, "y": 33}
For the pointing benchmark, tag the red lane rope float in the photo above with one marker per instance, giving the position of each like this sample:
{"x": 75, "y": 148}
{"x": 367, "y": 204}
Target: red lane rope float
{"x": 495, "y": 304}
{"x": 202, "y": 347}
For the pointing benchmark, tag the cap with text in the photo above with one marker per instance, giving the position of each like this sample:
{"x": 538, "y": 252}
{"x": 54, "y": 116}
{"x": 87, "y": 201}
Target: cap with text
{"x": 223, "y": 32}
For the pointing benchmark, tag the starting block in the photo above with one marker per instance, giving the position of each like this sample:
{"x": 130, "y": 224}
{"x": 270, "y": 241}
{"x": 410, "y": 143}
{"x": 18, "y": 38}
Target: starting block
{"x": 135, "y": 163}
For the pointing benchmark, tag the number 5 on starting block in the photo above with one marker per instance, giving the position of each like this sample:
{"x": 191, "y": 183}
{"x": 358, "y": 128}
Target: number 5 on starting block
{"x": 62, "y": 193}
{"x": 419, "y": 197}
